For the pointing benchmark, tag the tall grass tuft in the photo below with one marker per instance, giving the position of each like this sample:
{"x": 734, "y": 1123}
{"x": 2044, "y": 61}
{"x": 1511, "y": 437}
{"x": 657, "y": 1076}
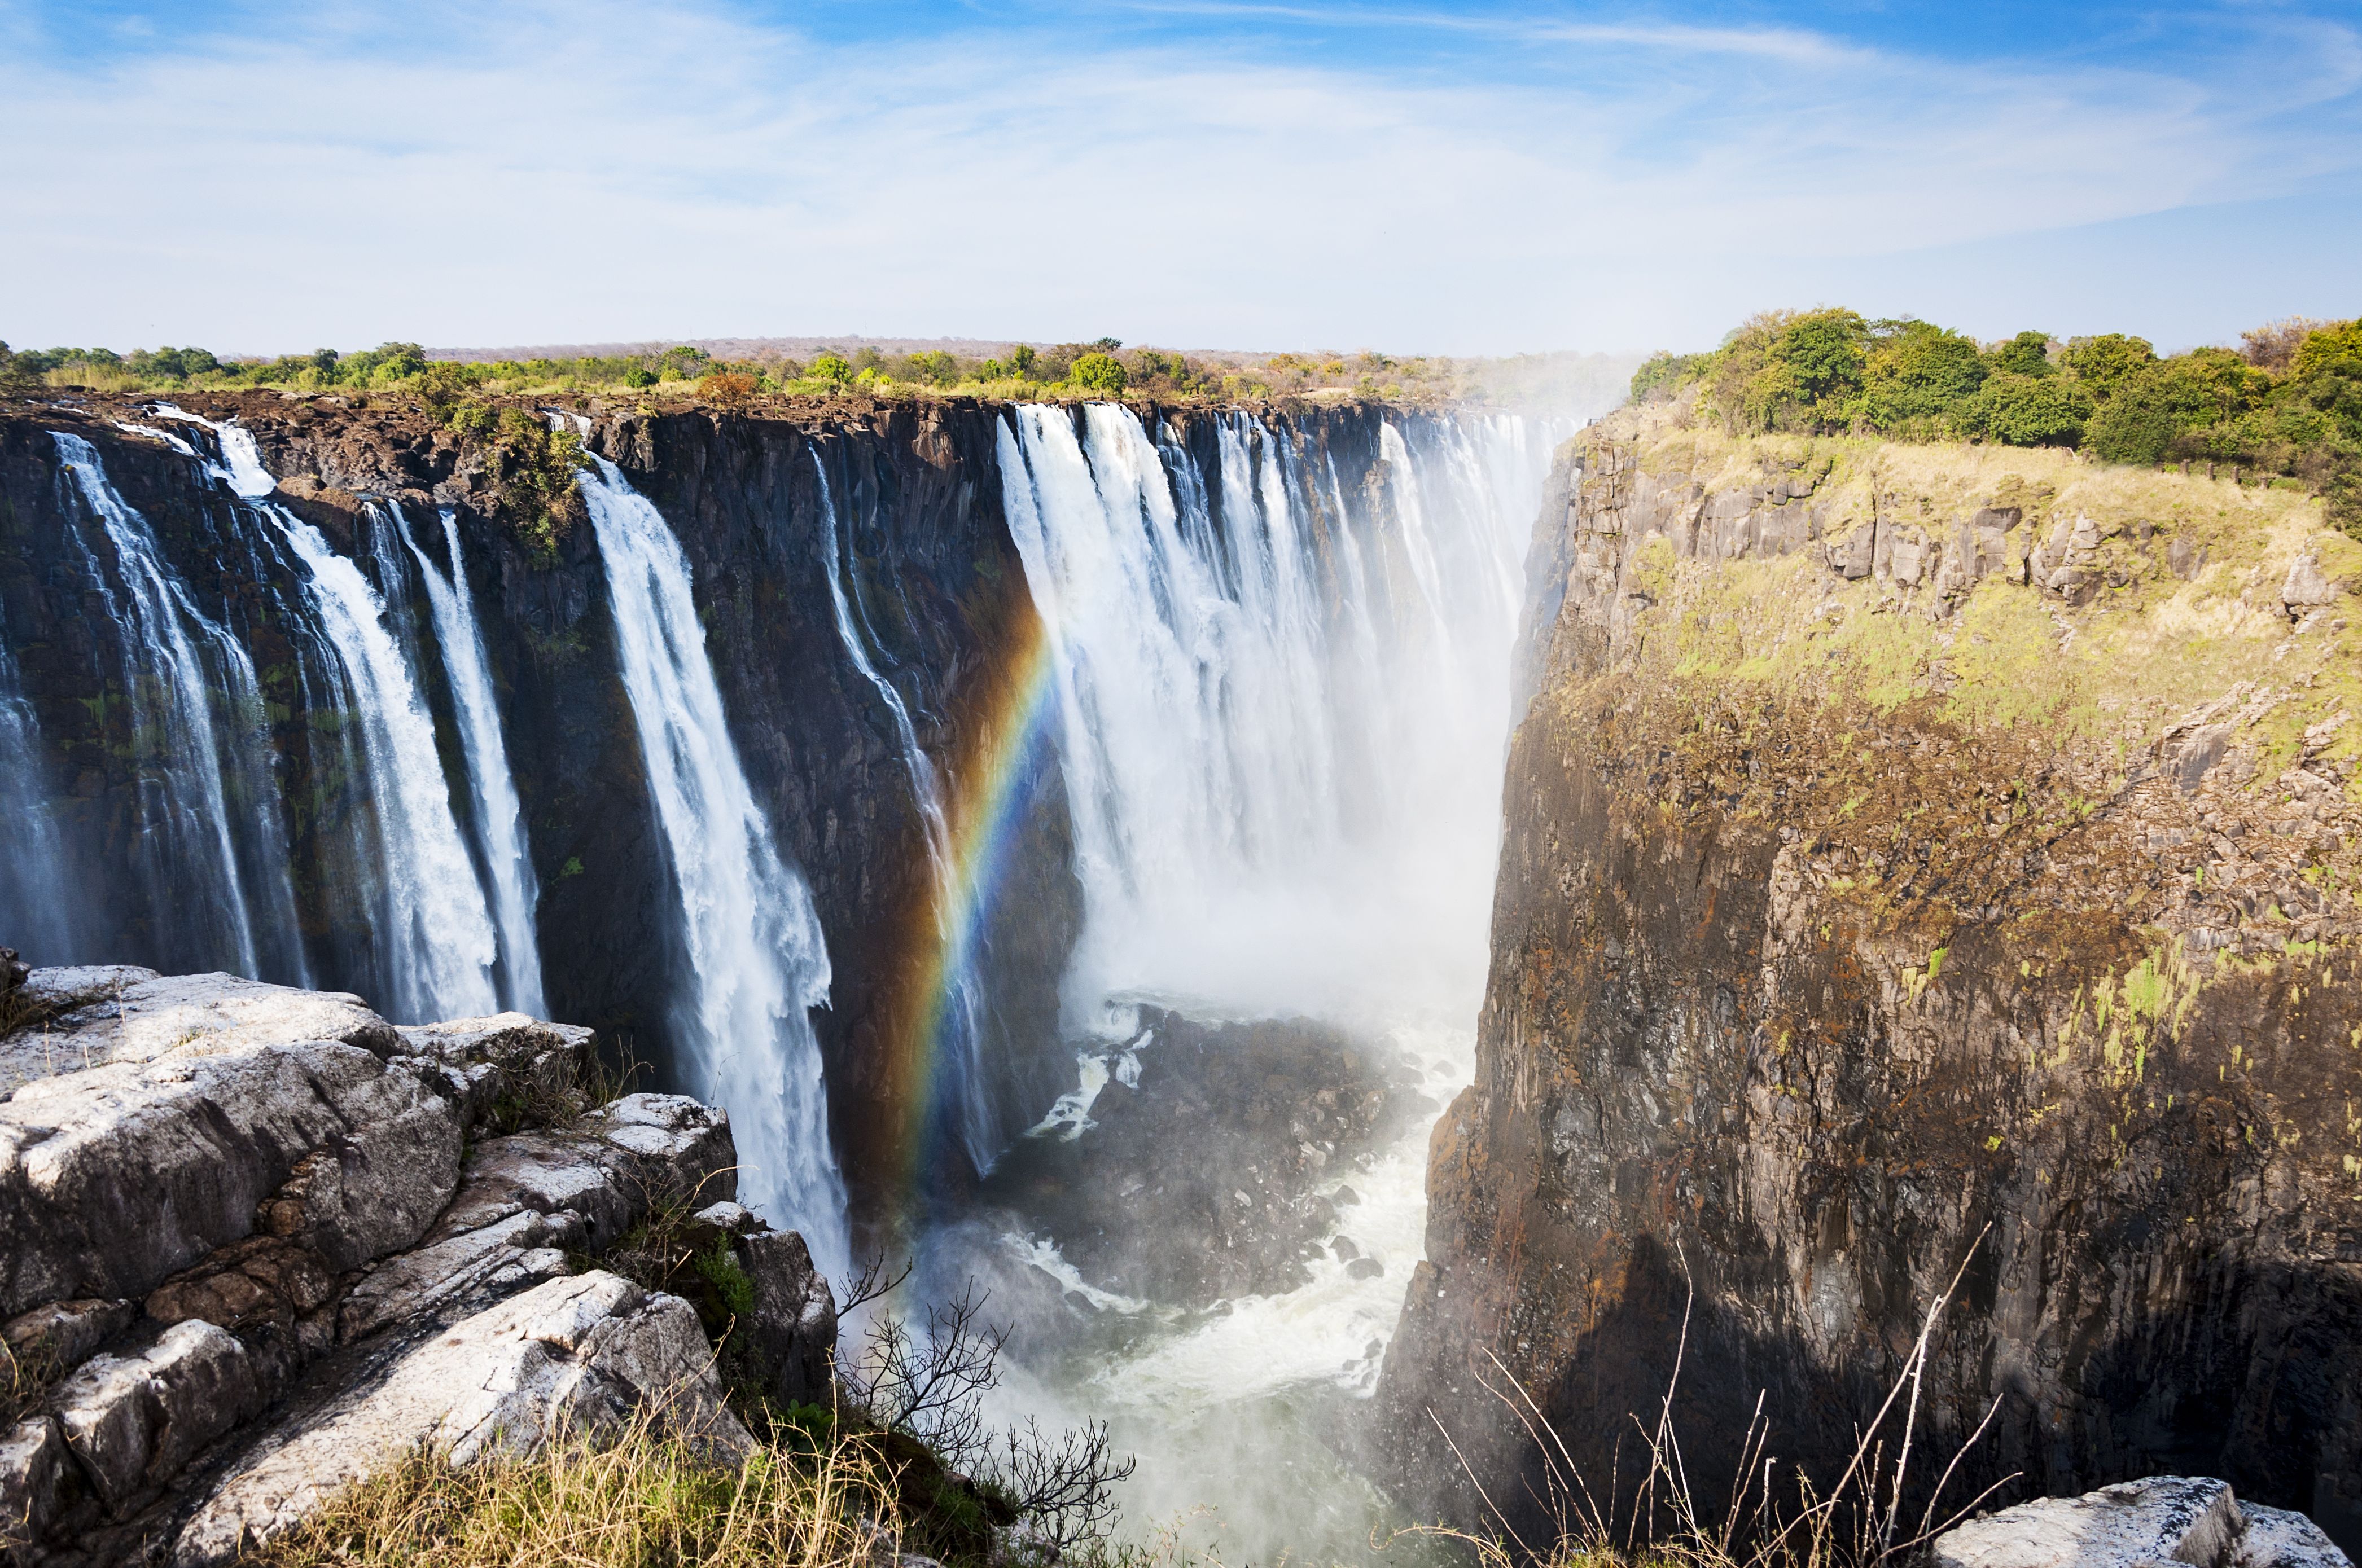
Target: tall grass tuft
{"x": 635, "y": 1499}
{"x": 1857, "y": 1521}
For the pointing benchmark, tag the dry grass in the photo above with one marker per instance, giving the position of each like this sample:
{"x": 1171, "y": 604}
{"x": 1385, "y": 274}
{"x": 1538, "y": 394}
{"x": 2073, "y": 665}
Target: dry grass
{"x": 1857, "y": 1522}
{"x": 638, "y": 1501}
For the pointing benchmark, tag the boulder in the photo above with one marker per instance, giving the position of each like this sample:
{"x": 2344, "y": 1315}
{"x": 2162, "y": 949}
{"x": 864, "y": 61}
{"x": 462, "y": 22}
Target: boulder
{"x": 578, "y": 1354}
{"x": 2306, "y": 587}
{"x": 459, "y": 1269}
{"x": 63, "y": 1334}
{"x": 608, "y": 1168}
{"x": 507, "y": 1058}
{"x": 34, "y": 1467}
{"x": 91, "y": 1016}
{"x": 794, "y": 1326}
{"x": 115, "y": 1177}
{"x": 133, "y": 1420}
{"x": 2139, "y": 1524}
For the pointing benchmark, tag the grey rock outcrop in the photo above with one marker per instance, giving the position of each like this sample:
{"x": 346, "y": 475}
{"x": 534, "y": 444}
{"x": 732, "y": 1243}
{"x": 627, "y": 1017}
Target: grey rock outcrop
{"x": 578, "y": 1354}
{"x": 242, "y": 1266}
{"x": 794, "y": 1326}
{"x": 2140, "y": 1524}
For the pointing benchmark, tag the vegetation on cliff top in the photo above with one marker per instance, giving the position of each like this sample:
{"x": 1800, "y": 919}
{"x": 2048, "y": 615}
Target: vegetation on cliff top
{"x": 1101, "y": 368}
{"x": 2288, "y": 402}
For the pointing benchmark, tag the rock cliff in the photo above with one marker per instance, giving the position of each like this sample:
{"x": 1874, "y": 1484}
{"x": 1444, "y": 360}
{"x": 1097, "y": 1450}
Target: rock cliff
{"x": 258, "y": 1243}
{"x": 1913, "y": 857}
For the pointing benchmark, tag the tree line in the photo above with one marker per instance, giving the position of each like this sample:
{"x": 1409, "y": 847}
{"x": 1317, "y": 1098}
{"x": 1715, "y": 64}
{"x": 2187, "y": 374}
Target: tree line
{"x": 2287, "y": 402}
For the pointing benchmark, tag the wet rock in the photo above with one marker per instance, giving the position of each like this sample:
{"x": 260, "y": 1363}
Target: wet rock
{"x": 1364, "y": 1268}
{"x": 577, "y": 1354}
{"x": 1207, "y": 1175}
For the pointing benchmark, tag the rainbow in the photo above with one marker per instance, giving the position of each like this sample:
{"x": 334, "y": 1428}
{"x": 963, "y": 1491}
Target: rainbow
{"x": 1009, "y": 703}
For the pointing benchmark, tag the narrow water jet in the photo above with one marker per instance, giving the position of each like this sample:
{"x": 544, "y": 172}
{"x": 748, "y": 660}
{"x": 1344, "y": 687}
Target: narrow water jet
{"x": 756, "y": 960}
{"x": 499, "y": 816}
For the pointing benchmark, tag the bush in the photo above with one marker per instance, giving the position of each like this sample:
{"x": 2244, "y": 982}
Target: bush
{"x": 832, "y": 368}
{"x": 2099, "y": 363}
{"x": 2152, "y": 406}
{"x": 1663, "y": 376}
{"x": 1098, "y": 372}
{"x": 2272, "y": 347}
{"x": 2027, "y": 354}
{"x": 1790, "y": 370}
{"x": 2027, "y": 411}
{"x": 1915, "y": 375}
{"x": 727, "y": 389}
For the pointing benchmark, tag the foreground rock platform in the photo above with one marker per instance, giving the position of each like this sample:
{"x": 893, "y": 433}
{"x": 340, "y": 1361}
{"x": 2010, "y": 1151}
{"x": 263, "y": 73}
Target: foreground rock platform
{"x": 257, "y": 1243}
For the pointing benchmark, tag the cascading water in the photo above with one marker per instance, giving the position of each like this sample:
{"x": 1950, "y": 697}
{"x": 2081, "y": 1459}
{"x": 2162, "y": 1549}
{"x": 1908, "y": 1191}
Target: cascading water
{"x": 756, "y": 960}
{"x": 190, "y": 681}
{"x": 963, "y": 1023}
{"x": 1280, "y": 724}
{"x": 499, "y": 816}
{"x": 1282, "y": 707}
{"x": 437, "y": 934}
{"x": 32, "y": 851}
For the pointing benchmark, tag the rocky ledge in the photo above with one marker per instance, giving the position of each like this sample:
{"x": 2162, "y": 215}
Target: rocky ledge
{"x": 259, "y": 1243}
{"x": 2166, "y": 1519}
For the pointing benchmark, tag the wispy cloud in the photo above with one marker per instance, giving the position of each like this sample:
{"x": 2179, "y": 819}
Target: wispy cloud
{"x": 537, "y": 173}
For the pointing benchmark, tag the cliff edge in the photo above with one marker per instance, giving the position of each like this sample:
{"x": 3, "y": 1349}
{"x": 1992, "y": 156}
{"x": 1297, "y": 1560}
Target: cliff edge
{"x": 1913, "y": 855}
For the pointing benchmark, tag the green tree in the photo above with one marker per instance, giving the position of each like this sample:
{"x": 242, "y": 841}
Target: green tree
{"x": 2027, "y": 411}
{"x": 2153, "y": 406}
{"x": 2027, "y": 354}
{"x": 1020, "y": 360}
{"x": 831, "y": 367}
{"x": 1663, "y": 374}
{"x": 1790, "y": 370}
{"x": 398, "y": 361}
{"x": 1916, "y": 376}
{"x": 1098, "y": 372}
{"x": 2101, "y": 362}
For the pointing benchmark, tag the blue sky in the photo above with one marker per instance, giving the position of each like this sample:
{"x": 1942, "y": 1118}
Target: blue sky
{"x": 1421, "y": 177}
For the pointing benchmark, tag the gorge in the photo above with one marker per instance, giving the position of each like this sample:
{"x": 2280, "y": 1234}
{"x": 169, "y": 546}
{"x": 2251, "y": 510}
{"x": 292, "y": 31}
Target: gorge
{"x": 1062, "y": 837}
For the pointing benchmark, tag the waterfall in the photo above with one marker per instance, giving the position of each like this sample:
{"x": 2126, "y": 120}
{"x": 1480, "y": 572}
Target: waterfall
{"x": 42, "y": 924}
{"x": 963, "y": 1021}
{"x": 758, "y": 962}
{"x": 1269, "y": 693}
{"x": 499, "y": 816}
{"x": 188, "y": 679}
{"x": 436, "y": 939}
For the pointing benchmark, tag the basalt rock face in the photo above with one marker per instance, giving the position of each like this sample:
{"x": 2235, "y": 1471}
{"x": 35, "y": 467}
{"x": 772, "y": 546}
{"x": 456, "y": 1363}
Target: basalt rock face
{"x": 936, "y": 582}
{"x": 1918, "y": 863}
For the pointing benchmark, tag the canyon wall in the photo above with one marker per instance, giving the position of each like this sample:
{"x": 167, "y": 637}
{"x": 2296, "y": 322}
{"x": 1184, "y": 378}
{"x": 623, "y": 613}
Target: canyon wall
{"x": 194, "y": 784}
{"x": 1918, "y": 861}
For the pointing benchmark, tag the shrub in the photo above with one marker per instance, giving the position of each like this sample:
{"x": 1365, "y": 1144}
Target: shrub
{"x": 2325, "y": 349}
{"x": 1098, "y": 372}
{"x": 2027, "y": 354}
{"x": 1663, "y": 376}
{"x": 2099, "y": 363}
{"x": 2272, "y": 347}
{"x": 727, "y": 389}
{"x": 2155, "y": 404}
{"x": 1915, "y": 375}
{"x": 2027, "y": 411}
{"x": 1790, "y": 370}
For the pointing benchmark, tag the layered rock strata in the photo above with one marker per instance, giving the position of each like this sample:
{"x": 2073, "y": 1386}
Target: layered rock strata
{"x": 1920, "y": 863}
{"x": 258, "y": 1243}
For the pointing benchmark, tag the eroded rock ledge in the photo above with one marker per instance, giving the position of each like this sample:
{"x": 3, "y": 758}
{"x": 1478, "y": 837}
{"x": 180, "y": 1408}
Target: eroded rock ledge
{"x": 1914, "y": 855}
{"x": 257, "y": 1243}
